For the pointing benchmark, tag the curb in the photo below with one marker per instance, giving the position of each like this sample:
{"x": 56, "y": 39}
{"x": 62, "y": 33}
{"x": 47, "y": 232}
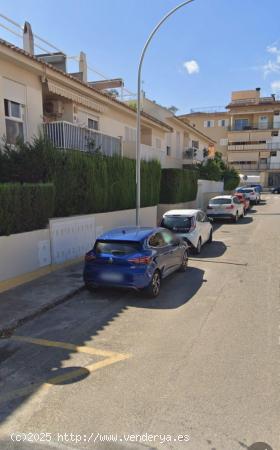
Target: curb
{"x": 9, "y": 328}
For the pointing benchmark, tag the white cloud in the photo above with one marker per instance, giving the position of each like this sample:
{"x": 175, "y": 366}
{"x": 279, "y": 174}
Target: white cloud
{"x": 275, "y": 86}
{"x": 191, "y": 66}
{"x": 272, "y": 65}
{"x": 272, "y": 49}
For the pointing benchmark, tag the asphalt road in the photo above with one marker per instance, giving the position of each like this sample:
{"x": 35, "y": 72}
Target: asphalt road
{"x": 195, "y": 369}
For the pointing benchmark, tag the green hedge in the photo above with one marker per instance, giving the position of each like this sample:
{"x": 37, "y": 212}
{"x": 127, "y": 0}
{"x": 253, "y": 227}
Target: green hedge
{"x": 84, "y": 182}
{"x": 231, "y": 179}
{"x": 178, "y": 185}
{"x": 25, "y": 207}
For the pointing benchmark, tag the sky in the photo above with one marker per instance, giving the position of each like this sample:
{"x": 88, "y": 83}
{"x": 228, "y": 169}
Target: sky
{"x": 204, "y": 51}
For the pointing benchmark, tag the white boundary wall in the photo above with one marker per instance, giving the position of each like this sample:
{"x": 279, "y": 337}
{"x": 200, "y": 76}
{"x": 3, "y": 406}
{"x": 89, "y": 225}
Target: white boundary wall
{"x": 65, "y": 239}
{"x": 206, "y": 190}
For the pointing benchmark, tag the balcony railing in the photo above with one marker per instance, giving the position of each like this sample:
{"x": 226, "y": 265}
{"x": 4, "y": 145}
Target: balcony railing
{"x": 66, "y": 135}
{"x": 270, "y": 125}
{"x": 254, "y": 146}
{"x": 148, "y": 153}
{"x": 256, "y": 165}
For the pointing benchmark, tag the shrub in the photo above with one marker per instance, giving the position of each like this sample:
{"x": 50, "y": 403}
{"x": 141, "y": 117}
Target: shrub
{"x": 211, "y": 171}
{"x": 25, "y": 207}
{"x": 231, "y": 179}
{"x": 85, "y": 182}
{"x": 178, "y": 185}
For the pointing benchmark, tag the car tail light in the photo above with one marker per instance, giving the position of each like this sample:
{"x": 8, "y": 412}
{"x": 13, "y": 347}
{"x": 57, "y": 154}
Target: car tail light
{"x": 230, "y": 207}
{"x": 90, "y": 257}
{"x": 141, "y": 260}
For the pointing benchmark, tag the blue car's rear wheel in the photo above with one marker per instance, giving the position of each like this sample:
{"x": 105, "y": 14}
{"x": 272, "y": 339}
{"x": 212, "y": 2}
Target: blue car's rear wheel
{"x": 153, "y": 289}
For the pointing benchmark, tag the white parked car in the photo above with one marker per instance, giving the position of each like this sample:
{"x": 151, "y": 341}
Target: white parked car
{"x": 225, "y": 207}
{"x": 251, "y": 193}
{"x": 192, "y": 225}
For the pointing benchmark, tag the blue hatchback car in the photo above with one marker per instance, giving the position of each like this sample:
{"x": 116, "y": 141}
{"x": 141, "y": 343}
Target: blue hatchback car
{"x": 135, "y": 257}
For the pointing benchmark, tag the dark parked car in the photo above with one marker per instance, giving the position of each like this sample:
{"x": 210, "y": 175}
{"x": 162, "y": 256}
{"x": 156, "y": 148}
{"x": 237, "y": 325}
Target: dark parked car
{"x": 275, "y": 190}
{"x": 136, "y": 258}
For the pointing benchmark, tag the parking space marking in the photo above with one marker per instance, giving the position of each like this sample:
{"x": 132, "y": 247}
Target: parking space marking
{"x": 110, "y": 358}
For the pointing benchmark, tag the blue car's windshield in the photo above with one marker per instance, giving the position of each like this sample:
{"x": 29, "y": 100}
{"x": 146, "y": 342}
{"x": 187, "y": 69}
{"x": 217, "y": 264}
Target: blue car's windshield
{"x": 116, "y": 247}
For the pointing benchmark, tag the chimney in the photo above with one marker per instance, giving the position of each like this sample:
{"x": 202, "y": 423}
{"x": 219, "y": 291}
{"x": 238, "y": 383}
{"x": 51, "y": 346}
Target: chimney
{"x": 83, "y": 66}
{"x": 28, "y": 40}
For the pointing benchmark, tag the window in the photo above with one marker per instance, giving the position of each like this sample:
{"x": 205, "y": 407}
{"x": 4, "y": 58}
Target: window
{"x": 14, "y": 121}
{"x": 129, "y": 134}
{"x": 168, "y": 150}
{"x": 195, "y": 144}
{"x": 209, "y": 123}
{"x": 117, "y": 247}
{"x": 177, "y": 223}
{"x": 93, "y": 124}
{"x": 223, "y": 141}
{"x": 273, "y": 153}
{"x": 241, "y": 124}
{"x": 156, "y": 240}
{"x": 274, "y": 133}
{"x": 223, "y": 123}
{"x": 168, "y": 237}
{"x": 158, "y": 143}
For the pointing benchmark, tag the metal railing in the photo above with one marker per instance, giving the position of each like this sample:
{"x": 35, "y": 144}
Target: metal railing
{"x": 148, "y": 153}
{"x": 256, "y": 166}
{"x": 270, "y": 125}
{"x": 254, "y": 146}
{"x": 66, "y": 135}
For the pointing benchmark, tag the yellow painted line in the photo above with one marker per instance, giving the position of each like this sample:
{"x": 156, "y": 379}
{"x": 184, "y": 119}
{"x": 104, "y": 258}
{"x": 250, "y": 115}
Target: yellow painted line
{"x": 30, "y": 276}
{"x": 110, "y": 358}
{"x": 65, "y": 345}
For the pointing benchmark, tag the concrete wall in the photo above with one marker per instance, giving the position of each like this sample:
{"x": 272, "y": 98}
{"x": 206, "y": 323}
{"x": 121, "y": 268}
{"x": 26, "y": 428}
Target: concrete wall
{"x": 206, "y": 190}
{"x": 26, "y": 252}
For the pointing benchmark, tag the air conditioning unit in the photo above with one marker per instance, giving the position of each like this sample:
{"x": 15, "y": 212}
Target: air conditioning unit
{"x": 54, "y": 107}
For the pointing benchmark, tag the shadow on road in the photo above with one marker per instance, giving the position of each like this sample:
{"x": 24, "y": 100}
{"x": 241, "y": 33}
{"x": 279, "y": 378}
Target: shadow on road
{"x": 213, "y": 250}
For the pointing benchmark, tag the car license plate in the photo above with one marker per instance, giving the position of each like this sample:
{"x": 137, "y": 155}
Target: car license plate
{"x": 111, "y": 276}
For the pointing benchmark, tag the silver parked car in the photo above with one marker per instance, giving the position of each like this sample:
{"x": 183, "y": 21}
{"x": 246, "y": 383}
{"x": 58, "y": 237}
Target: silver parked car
{"x": 225, "y": 207}
{"x": 192, "y": 225}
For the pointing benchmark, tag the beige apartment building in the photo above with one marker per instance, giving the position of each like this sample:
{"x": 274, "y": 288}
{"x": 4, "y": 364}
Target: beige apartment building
{"x": 183, "y": 146}
{"x": 38, "y": 95}
{"x": 212, "y": 123}
{"x": 247, "y": 134}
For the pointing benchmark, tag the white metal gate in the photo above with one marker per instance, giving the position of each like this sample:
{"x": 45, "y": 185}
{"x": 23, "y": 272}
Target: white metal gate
{"x": 71, "y": 237}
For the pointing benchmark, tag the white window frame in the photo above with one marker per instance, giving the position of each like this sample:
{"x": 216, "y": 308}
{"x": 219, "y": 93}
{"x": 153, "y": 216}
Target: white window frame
{"x": 223, "y": 123}
{"x": 13, "y": 118}
{"x": 223, "y": 141}
{"x": 94, "y": 119}
{"x": 209, "y": 123}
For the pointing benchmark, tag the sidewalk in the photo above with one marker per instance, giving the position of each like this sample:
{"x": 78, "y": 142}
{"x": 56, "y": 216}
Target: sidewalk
{"x": 24, "y": 302}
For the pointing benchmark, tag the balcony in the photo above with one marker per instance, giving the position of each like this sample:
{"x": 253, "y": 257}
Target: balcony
{"x": 251, "y": 146}
{"x": 148, "y": 153}
{"x": 270, "y": 125}
{"x": 66, "y": 135}
{"x": 256, "y": 166}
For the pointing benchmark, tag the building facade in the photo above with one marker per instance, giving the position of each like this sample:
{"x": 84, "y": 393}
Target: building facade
{"x": 39, "y": 97}
{"x": 247, "y": 134}
{"x": 184, "y": 144}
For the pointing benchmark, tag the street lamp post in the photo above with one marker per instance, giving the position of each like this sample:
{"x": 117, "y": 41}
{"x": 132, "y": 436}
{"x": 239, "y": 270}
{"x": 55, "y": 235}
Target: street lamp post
{"x": 138, "y": 126}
